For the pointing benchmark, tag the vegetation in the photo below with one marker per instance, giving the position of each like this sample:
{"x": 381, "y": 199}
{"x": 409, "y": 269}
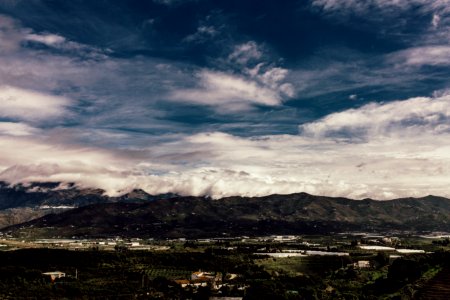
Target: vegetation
{"x": 135, "y": 274}
{"x": 112, "y": 272}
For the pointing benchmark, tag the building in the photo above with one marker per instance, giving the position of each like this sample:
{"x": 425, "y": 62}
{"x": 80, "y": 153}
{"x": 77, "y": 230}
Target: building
{"x": 362, "y": 264}
{"x": 54, "y": 275}
{"x": 201, "y": 278}
{"x": 206, "y": 276}
{"x": 183, "y": 282}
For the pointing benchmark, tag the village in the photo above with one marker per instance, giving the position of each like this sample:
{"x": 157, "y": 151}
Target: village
{"x": 225, "y": 267}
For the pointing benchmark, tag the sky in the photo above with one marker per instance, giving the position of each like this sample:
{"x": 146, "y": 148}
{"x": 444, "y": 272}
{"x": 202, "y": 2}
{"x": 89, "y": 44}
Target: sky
{"x": 221, "y": 98}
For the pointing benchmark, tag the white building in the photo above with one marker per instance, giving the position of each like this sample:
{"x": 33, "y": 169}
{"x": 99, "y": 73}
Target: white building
{"x": 362, "y": 264}
{"x": 54, "y": 275}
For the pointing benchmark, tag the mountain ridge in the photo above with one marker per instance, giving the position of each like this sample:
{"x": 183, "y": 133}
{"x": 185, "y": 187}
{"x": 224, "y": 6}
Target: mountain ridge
{"x": 274, "y": 214}
{"x": 23, "y": 202}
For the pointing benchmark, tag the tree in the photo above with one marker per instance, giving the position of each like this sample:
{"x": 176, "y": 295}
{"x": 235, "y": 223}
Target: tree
{"x": 404, "y": 270}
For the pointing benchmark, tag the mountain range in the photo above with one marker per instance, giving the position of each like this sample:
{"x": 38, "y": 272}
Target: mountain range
{"x": 138, "y": 214}
{"x": 20, "y": 203}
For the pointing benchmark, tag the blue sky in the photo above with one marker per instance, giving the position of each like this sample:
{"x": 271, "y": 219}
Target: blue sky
{"x": 219, "y": 98}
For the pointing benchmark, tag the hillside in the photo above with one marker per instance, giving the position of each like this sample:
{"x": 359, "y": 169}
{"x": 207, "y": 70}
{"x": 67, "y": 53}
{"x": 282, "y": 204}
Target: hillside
{"x": 275, "y": 214}
{"x": 20, "y": 203}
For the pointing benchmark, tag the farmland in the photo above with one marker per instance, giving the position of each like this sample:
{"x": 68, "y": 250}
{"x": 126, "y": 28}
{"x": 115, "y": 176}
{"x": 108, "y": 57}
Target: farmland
{"x": 163, "y": 268}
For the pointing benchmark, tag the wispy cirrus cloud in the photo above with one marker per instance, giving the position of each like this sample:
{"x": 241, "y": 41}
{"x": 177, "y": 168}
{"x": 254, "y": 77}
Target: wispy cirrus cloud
{"x": 422, "y": 26}
{"x": 203, "y": 34}
{"x": 47, "y": 78}
{"x": 14, "y": 37}
{"x": 419, "y": 23}
{"x": 387, "y": 6}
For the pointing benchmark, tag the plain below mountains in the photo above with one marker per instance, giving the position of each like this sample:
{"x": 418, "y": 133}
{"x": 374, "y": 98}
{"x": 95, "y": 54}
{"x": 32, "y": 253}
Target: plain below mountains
{"x": 194, "y": 217}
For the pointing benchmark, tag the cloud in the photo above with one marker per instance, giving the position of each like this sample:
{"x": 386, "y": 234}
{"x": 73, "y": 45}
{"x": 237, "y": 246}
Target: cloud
{"x": 203, "y": 34}
{"x": 46, "y": 79}
{"x": 229, "y": 92}
{"x": 382, "y": 167}
{"x": 423, "y": 56}
{"x": 396, "y": 149}
{"x": 435, "y": 21}
{"x": 16, "y": 39}
{"x": 47, "y": 39}
{"x": 10, "y": 34}
{"x": 46, "y": 160}
{"x": 245, "y": 80}
{"x": 17, "y": 129}
{"x": 388, "y": 6}
{"x": 399, "y": 118}
{"x": 406, "y": 18}
{"x": 64, "y": 46}
{"x": 117, "y": 102}
{"x": 401, "y": 151}
{"x": 245, "y": 53}
{"x": 13, "y": 36}
{"x": 21, "y": 104}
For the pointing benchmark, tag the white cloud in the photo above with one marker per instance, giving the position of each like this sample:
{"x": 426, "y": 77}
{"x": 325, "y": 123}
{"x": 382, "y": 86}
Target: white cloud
{"x": 384, "y": 167}
{"x": 441, "y": 93}
{"x": 253, "y": 82}
{"x": 229, "y": 92}
{"x": 435, "y": 21}
{"x": 273, "y": 77}
{"x": 400, "y": 118}
{"x": 13, "y": 35}
{"x": 245, "y": 53}
{"x": 47, "y": 39}
{"x": 30, "y": 105}
{"x": 28, "y": 159}
{"x": 15, "y": 38}
{"x": 403, "y": 151}
{"x": 422, "y": 56}
{"x": 17, "y": 129}
{"x": 397, "y": 149}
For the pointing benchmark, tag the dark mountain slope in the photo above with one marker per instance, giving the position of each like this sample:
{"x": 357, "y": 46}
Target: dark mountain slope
{"x": 275, "y": 214}
{"x": 39, "y": 194}
{"x": 20, "y": 203}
